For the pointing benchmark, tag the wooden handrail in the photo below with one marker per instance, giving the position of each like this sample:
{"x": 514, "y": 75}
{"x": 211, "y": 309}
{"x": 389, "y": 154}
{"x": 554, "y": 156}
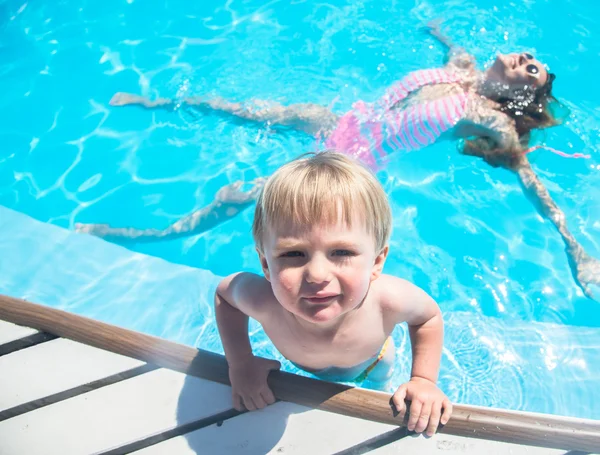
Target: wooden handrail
{"x": 469, "y": 421}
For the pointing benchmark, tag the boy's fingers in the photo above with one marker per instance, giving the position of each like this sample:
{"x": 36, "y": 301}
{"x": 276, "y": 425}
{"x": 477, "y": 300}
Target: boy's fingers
{"x": 447, "y": 405}
{"x": 249, "y": 404}
{"x": 415, "y": 413}
{"x": 274, "y": 365}
{"x": 424, "y": 418}
{"x": 259, "y": 402}
{"x": 434, "y": 419}
{"x": 398, "y": 400}
{"x": 237, "y": 402}
{"x": 268, "y": 396}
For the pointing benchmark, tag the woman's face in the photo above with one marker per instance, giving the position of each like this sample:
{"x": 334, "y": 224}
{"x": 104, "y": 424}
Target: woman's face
{"x": 517, "y": 71}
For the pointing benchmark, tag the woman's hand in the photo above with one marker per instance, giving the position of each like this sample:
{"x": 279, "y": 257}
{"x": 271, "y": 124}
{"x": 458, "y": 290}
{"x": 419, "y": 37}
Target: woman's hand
{"x": 587, "y": 270}
{"x": 433, "y": 29}
{"x": 429, "y": 406}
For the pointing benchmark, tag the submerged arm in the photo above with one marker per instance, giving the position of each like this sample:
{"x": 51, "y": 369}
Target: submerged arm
{"x": 455, "y": 55}
{"x": 433, "y": 28}
{"x": 493, "y": 134}
{"x": 586, "y": 269}
{"x": 498, "y": 144}
{"x": 228, "y": 202}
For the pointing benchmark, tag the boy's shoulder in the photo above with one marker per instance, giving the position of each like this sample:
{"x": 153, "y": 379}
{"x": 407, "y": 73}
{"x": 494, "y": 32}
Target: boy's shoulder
{"x": 393, "y": 285}
{"x": 250, "y": 293}
{"x": 397, "y": 295}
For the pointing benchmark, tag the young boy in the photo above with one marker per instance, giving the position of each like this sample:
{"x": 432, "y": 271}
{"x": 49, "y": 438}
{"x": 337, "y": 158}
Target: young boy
{"x": 321, "y": 229}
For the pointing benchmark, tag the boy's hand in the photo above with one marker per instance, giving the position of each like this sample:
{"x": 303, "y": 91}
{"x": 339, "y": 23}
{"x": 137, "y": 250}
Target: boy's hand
{"x": 249, "y": 383}
{"x": 427, "y": 403}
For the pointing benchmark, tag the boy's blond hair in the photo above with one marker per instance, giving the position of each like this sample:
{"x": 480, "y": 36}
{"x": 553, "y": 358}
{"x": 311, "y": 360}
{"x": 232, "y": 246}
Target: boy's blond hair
{"x": 313, "y": 189}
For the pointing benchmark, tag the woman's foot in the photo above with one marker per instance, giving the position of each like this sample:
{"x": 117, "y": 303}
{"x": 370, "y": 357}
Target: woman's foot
{"x": 231, "y": 194}
{"x": 99, "y": 230}
{"x": 124, "y": 99}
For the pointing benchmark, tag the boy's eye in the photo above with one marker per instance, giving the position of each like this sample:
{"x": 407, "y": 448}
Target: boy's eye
{"x": 292, "y": 254}
{"x": 343, "y": 253}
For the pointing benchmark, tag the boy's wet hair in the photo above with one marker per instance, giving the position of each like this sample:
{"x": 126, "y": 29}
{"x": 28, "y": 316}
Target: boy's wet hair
{"x": 313, "y": 189}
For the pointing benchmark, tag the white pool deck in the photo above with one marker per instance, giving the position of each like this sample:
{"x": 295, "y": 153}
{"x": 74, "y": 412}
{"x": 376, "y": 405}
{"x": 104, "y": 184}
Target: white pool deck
{"x": 59, "y": 396}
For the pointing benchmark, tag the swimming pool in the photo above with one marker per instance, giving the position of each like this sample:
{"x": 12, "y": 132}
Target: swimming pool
{"x": 462, "y": 230}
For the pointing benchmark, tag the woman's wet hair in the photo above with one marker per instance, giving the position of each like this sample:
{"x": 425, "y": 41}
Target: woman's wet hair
{"x": 530, "y": 108}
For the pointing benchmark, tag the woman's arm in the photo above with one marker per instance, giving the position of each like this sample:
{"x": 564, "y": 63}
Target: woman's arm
{"x": 492, "y": 134}
{"x": 229, "y": 201}
{"x": 433, "y": 28}
{"x": 455, "y": 55}
{"x": 586, "y": 269}
{"x": 498, "y": 144}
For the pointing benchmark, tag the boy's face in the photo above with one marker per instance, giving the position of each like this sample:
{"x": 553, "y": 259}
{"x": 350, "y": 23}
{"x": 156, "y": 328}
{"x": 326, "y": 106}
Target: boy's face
{"x": 321, "y": 272}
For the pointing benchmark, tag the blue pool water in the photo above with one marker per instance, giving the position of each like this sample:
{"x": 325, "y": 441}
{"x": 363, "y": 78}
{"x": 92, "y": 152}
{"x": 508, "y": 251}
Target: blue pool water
{"x": 462, "y": 230}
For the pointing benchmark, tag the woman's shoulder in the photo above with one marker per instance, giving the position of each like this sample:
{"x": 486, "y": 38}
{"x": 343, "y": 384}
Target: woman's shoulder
{"x": 485, "y": 111}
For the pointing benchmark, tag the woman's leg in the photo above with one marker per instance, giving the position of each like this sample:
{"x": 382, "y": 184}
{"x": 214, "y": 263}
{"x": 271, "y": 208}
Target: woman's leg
{"x": 310, "y": 118}
{"x": 229, "y": 201}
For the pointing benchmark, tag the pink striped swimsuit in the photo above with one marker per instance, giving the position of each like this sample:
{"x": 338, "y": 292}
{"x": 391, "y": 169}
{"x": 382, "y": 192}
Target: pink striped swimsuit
{"x": 370, "y": 132}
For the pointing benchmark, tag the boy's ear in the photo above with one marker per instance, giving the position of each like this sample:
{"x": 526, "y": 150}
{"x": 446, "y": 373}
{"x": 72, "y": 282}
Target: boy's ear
{"x": 264, "y": 265}
{"x": 379, "y": 262}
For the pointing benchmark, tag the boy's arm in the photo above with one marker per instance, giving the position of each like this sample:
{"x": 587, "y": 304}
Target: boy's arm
{"x": 239, "y": 296}
{"x": 426, "y": 329}
{"x": 231, "y": 321}
{"x": 235, "y": 300}
{"x": 405, "y": 302}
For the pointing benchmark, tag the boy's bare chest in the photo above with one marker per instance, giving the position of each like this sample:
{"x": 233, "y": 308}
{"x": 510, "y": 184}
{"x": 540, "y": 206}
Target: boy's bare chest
{"x": 351, "y": 344}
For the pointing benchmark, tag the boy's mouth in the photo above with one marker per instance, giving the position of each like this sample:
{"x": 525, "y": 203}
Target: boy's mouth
{"x": 320, "y": 299}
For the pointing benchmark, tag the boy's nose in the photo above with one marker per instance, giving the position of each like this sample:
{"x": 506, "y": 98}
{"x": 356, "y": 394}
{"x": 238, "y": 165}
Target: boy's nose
{"x": 317, "y": 271}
